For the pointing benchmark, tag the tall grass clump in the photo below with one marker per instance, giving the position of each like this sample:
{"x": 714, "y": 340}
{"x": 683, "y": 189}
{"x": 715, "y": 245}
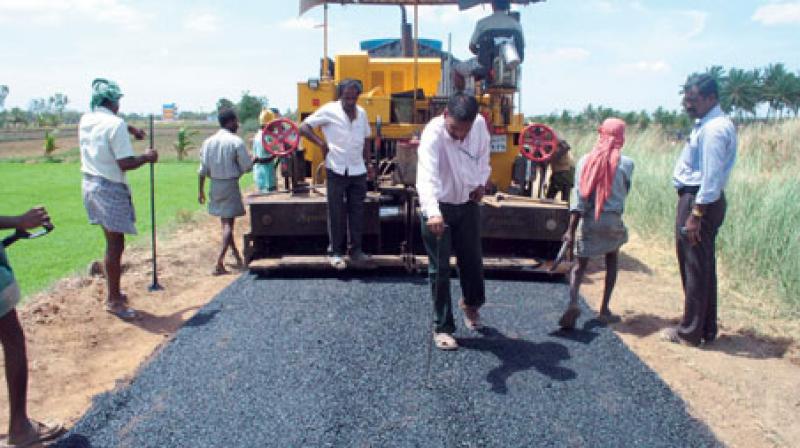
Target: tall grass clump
{"x": 759, "y": 242}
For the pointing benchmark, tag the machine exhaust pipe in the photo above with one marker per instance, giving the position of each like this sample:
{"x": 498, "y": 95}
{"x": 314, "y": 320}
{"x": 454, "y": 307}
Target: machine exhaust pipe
{"x": 406, "y": 42}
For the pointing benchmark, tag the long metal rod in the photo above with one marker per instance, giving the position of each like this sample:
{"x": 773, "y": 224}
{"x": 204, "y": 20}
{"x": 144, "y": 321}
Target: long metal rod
{"x": 325, "y": 67}
{"x": 154, "y": 286}
{"x": 416, "y": 60}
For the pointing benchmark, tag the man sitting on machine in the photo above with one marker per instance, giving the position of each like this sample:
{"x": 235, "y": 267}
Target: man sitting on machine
{"x": 485, "y": 41}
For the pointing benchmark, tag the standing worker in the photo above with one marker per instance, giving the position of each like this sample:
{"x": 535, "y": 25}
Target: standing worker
{"x": 106, "y": 154}
{"x": 700, "y": 176}
{"x": 346, "y": 149}
{"x": 22, "y": 431}
{"x": 452, "y": 172}
{"x": 224, "y": 159}
{"x": 264, "y": 168}
{"x": 562, "y": 172}
{"x": 596, "y": 214}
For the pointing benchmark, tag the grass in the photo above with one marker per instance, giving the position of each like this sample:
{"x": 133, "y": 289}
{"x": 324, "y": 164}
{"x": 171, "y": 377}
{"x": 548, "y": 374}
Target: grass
{"x": 75, "y": 243}
{"x": 759, "y": 243}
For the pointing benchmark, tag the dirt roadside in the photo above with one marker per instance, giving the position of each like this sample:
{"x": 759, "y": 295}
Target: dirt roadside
{"x": 746, "y": 386}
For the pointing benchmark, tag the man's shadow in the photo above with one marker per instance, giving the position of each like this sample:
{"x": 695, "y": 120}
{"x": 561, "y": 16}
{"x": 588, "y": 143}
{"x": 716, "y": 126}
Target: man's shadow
{"x": 517, "y": 355}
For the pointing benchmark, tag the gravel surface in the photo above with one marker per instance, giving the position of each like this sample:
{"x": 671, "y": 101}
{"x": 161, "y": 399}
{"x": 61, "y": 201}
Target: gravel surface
{"x": 338, "y": 362}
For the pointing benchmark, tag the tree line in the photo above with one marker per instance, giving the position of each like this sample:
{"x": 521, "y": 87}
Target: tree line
{"x": 759, "y": 94}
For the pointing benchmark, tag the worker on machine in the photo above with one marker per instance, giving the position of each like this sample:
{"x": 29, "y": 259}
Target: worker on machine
{"x": 486, "y": 41}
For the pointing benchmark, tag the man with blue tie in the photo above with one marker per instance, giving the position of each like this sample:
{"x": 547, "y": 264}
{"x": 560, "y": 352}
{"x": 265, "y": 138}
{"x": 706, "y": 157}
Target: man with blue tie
{"x": 701, "y": 174}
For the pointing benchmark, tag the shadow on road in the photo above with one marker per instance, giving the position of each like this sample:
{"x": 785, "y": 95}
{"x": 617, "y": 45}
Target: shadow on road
{"x": 584, "y": 335}
{"x": 202, "y": 318}
{"x": 517, "y": 355}
{"x": 73, "y": 441}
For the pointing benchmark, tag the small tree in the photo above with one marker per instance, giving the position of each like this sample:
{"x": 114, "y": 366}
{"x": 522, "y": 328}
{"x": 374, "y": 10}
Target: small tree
{"x": 49, "y": 144}
{"x": 184, "y": 142}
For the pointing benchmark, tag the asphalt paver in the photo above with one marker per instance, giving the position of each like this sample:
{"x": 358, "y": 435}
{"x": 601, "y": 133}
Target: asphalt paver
{"x": 341, "y": 362}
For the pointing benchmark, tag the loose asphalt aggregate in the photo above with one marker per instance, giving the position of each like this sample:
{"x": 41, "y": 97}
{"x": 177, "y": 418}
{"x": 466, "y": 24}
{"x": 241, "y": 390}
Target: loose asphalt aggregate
{"x": 341, "y": 362}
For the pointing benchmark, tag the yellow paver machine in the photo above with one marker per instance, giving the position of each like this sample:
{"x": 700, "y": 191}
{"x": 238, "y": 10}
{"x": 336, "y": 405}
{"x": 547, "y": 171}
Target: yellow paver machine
{"x": 406, "y": 82}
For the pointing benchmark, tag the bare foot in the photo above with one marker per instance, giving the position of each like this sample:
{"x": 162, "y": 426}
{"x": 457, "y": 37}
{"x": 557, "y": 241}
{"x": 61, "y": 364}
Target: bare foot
{"x": 220, "y": 270}
{"x": 37, "y": 433}
{"x": 569, "y": 318}
{"x": 607, "y": 317}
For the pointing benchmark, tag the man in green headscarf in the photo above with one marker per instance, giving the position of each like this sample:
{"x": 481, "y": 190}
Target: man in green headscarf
{"x": 106, "y": 154}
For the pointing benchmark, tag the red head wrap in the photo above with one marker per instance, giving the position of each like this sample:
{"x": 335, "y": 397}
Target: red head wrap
{"x": 600, "y": 165}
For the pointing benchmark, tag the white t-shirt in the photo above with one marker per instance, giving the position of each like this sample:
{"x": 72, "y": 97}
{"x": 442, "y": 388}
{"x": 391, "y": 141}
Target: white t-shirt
{"x": 103, "y": 139}
{"x": 345, "y": 137}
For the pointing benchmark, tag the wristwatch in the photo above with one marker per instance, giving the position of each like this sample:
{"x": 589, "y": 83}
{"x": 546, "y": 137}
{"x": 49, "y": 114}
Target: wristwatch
{"x": 697, "y": 212}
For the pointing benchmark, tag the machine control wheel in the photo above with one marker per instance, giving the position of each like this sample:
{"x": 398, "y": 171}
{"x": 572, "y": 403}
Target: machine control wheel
{"x": 280, "y": 137}
{"x": 538, "y": 142}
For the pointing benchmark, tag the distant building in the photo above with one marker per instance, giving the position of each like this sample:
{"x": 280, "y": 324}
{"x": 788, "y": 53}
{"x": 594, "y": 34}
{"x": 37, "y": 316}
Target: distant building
{"x": 169, "y": 111}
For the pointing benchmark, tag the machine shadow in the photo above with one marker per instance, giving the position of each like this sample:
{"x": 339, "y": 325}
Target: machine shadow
{"x": 519, "y": 355}
{"x": 389, "y": 275}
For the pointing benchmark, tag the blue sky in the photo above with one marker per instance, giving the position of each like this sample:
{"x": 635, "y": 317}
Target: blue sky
{"x": 626, "y": 54}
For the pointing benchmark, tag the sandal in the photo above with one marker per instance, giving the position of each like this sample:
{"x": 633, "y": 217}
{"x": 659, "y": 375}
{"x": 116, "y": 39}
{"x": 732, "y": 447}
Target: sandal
{"x": 41, "y": 433}
{"x": 569, "y": 318}
{"x": 445, "y": 341}
{"x": 121, "y": 310}
{"x": 472, "y": 318}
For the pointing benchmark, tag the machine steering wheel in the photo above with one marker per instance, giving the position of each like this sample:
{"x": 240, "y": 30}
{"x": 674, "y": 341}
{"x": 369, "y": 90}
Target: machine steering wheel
{"x": 538, "y": 142}
{"x": 280, "y": 137}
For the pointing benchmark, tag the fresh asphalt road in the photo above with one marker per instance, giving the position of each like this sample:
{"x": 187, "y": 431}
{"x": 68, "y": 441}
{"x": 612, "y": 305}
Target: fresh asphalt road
{"x": 338, "y": 362}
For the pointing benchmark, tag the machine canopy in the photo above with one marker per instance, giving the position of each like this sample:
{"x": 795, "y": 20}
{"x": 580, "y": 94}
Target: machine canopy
{"x": 305, "y": 5}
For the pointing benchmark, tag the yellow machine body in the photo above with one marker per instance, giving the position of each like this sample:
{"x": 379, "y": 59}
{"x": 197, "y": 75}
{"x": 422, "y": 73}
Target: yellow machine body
{"x": 383, "y": 77}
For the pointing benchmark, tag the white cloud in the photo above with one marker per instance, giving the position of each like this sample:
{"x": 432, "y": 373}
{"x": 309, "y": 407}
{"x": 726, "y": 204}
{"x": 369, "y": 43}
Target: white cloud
{"x": 204, "y": 23}
{"x": 299, "y": 23}
{"x": 659, "y": 66}
{"x": 697, "y": 22}
{"x": 43, "y": 12}
{"x": 564, "y": 54}
{"x": 778, "y": 14}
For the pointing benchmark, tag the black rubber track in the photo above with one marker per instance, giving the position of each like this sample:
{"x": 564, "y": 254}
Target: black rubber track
{"x": 326, "y": 362}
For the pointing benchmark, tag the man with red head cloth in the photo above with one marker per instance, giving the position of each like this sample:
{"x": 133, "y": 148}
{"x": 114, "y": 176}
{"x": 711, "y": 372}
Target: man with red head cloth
{"x": 595, "y": 225}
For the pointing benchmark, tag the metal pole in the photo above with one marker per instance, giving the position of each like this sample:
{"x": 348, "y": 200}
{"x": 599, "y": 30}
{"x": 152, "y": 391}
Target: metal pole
{"x": 325, "y": 68}
{"x": 416, "y": 57}
{"x": 154, "y": 286}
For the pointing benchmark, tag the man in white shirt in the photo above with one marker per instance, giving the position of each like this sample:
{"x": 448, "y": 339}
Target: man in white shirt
{"x": 224, "y": 159}
{"x": 346, "y": 149}
{"x": 106, "y": 154}
{"x": 452, "y": 172}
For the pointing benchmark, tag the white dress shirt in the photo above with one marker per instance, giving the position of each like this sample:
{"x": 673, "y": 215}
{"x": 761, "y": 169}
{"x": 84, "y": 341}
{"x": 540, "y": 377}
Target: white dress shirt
{"x": 103, "y": 138}
{"x": 345, "y": 137}
{"x": 223, "y": 156}
{"x": 448, "y": 170}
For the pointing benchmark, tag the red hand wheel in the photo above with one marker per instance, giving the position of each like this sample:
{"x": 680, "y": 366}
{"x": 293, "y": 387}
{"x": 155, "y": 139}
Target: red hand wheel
{"x": 280, "y": 137}
{"x": 538, "y": 142}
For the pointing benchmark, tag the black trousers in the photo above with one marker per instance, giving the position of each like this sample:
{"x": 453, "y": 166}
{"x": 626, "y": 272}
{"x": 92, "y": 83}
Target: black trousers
{"x": 698, "y": 266}
{"x": 345, "y": 211}
{"x": 462, "y": 236}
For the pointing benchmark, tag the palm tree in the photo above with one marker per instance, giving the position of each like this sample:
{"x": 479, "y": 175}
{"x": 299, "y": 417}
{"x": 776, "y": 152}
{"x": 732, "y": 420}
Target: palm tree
{"x": 774, "y": 85}
{"x": 741, "y": 89}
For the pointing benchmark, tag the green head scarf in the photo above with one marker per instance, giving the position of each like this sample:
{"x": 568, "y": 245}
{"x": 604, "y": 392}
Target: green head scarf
{"x": 103, "y": 89}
